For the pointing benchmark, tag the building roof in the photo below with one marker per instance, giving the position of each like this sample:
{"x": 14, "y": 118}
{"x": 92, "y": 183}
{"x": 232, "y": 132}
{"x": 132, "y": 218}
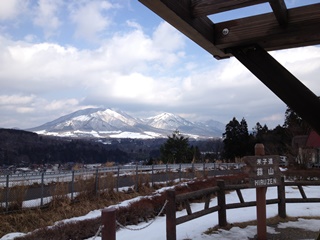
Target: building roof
{"x": 313, "y": 140}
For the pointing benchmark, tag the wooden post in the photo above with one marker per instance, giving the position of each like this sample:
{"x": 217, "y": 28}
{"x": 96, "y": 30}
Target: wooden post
{"x": 261, "y": 201}
{"x": 108, "y": 217}
{"x": 222, "y": 213}
{"x": 171, "y": 215}
{"x": 282, "y": 199}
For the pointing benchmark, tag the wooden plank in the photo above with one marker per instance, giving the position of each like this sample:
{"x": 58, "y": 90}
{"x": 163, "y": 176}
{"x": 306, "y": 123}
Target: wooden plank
{"x": 197, "y": 214}
{"x": 240, "y": 195}
{"x": 303, "y": 194}
{"x": 196, "y": 194}
{"x": 278, "y": 79}
{"x": 299, "y": 200}
{"x": 241, "y": 205}
{"x": 188, "y": 208}
{"x": 207, "y": 201}
{"x": 202, "y": 8}
{"x": 302, "y": 30}
{"x": 280, "y": 10}
{"x": 235, "y": 187}
{"x": 178, "y": 14}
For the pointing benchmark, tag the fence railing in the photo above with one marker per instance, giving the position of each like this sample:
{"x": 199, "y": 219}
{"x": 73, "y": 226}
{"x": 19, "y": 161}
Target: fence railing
{"x": 27, "y": 190}
{"x": 220, "y": 191}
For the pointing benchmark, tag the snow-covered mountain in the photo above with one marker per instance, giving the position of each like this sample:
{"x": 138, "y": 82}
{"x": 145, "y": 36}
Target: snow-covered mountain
{"x": 102, "y": 122}
{"x": 168, "y": 121}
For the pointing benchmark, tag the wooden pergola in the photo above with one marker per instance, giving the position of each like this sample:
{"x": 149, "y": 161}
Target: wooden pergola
{"x": 249, "y": 39}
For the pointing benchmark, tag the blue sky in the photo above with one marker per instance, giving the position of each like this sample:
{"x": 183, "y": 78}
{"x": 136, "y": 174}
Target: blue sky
{"x": 59, "y": 56}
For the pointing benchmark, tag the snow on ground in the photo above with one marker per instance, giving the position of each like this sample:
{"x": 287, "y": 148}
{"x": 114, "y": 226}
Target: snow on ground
{"x": 195, "y": 229}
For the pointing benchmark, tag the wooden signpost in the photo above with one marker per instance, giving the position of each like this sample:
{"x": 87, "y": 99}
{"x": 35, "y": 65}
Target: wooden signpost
{"x": 263, "y": 172}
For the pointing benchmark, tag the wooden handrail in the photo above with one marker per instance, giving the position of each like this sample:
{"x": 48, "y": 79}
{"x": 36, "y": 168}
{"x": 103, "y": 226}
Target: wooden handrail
{"x": 221, "y": 206}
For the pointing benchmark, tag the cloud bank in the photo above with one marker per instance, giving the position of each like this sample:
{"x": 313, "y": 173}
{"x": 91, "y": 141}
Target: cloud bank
{"x": 79, "y": 54}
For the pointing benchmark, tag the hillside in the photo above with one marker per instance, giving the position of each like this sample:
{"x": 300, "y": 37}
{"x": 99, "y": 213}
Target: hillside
{"x": 111, "y": 123}
{"x": 23, "y": 148}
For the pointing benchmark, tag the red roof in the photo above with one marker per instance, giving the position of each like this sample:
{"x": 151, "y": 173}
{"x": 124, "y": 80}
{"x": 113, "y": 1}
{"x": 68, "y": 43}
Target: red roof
{"x": 313, "y": 140}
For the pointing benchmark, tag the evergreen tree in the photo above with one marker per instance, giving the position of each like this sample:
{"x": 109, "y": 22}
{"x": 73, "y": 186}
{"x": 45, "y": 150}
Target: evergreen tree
{"x": 260, "y": 132}
{"x": 236, "y": 139}
{"x": 196, "y": 154}
{"x": 294, "y": 124}
{"x": 176, "y": 149}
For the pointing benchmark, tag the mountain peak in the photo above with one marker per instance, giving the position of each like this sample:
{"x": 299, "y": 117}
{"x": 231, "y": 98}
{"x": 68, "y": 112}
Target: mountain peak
{"x": 108, "y": 122}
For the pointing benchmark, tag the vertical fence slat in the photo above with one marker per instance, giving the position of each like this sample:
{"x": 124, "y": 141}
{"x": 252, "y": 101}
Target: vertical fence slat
{"x": 42, "y": 189}
{"x": 7, "y": 193}
{"x": 171, "y": 215}
{"x": 108, "y": 217}
{"x": 152, "y": 172}
{"x": 222, "y": 218}
{"x": 282, "y": 199}
{"x": 118, "y": 178}
{"x": 193, "y": 171}
{"x": 97, "y": 182}
{"x": 137, "y": 179}
{"x": 72, "y": 185}
{"x": 167, "y": 174}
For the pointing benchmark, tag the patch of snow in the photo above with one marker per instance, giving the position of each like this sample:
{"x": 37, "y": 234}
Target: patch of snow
{"x": 195, "y": 229}
{"x": 131, "y": 135}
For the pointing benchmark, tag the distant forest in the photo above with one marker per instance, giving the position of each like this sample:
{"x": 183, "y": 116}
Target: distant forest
{"x": 22, "y": 148}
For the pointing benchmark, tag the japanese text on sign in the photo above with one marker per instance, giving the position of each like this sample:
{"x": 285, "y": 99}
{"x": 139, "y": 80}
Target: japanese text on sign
{"x": 263, "y": 170}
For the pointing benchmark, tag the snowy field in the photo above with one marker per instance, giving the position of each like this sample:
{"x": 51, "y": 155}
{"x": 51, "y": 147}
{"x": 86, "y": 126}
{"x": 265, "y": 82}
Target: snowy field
{"x": 195, "y": 229}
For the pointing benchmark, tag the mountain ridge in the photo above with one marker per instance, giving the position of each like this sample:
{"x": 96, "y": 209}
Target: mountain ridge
{"x": 112, "y": 123}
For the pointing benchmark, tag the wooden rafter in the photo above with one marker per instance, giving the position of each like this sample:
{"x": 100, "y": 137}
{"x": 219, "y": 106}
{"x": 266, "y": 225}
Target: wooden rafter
{"x": 283, "y": 28}
{"x": 178, "y": 14}
{"x": 249, "y": 39}
{"x": 280, "y": 11}
{"x": 202, "y": 8}
{"x": 265, "y": 30}
{"x": 281, "y": 82}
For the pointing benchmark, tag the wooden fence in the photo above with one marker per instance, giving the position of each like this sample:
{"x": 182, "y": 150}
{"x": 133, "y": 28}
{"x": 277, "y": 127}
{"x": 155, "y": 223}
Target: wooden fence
{"x": 220, "y": 190}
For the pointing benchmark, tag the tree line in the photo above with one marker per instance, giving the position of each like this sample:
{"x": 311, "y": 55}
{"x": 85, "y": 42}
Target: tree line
{"x": 19, "y": 147}
{"x": 238, "y": 141}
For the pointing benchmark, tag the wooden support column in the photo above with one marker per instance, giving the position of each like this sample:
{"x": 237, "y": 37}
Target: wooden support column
{"x": 108, "y": 217}
{"x": 280, "y": 81}
{"x": 282, "y": 199}
{"x": 171, "y": 215}
{"x": 222, "y": 212}
{"x": 261, "y": 201}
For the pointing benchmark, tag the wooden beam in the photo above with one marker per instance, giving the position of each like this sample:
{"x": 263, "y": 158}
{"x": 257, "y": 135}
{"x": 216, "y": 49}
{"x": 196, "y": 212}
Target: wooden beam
{"x": 280, "y": 11}
{"x": 178, "y": 14}
{"x": 302, "y": 30}
{"x": 202, "y": 8}
{"x": 280, "y": 81}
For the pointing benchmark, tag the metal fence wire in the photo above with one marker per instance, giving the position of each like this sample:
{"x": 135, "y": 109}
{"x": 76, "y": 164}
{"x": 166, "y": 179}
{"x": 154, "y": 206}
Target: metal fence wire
{"x": 30, "y": 190}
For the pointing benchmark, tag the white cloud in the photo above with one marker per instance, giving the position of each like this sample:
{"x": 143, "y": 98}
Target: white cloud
{"x": 33, "y": 110}
{"x": 41, "y": 81}
{"x": 10, "y": 8}
{"x": 89, "y": 18}
{"x": 61, "y": 104}
{"x": 46, "y": 16}
{"x": 13, "y": 100}
{"x": 167, "y": 38}
{"x": 304, "y": 63}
